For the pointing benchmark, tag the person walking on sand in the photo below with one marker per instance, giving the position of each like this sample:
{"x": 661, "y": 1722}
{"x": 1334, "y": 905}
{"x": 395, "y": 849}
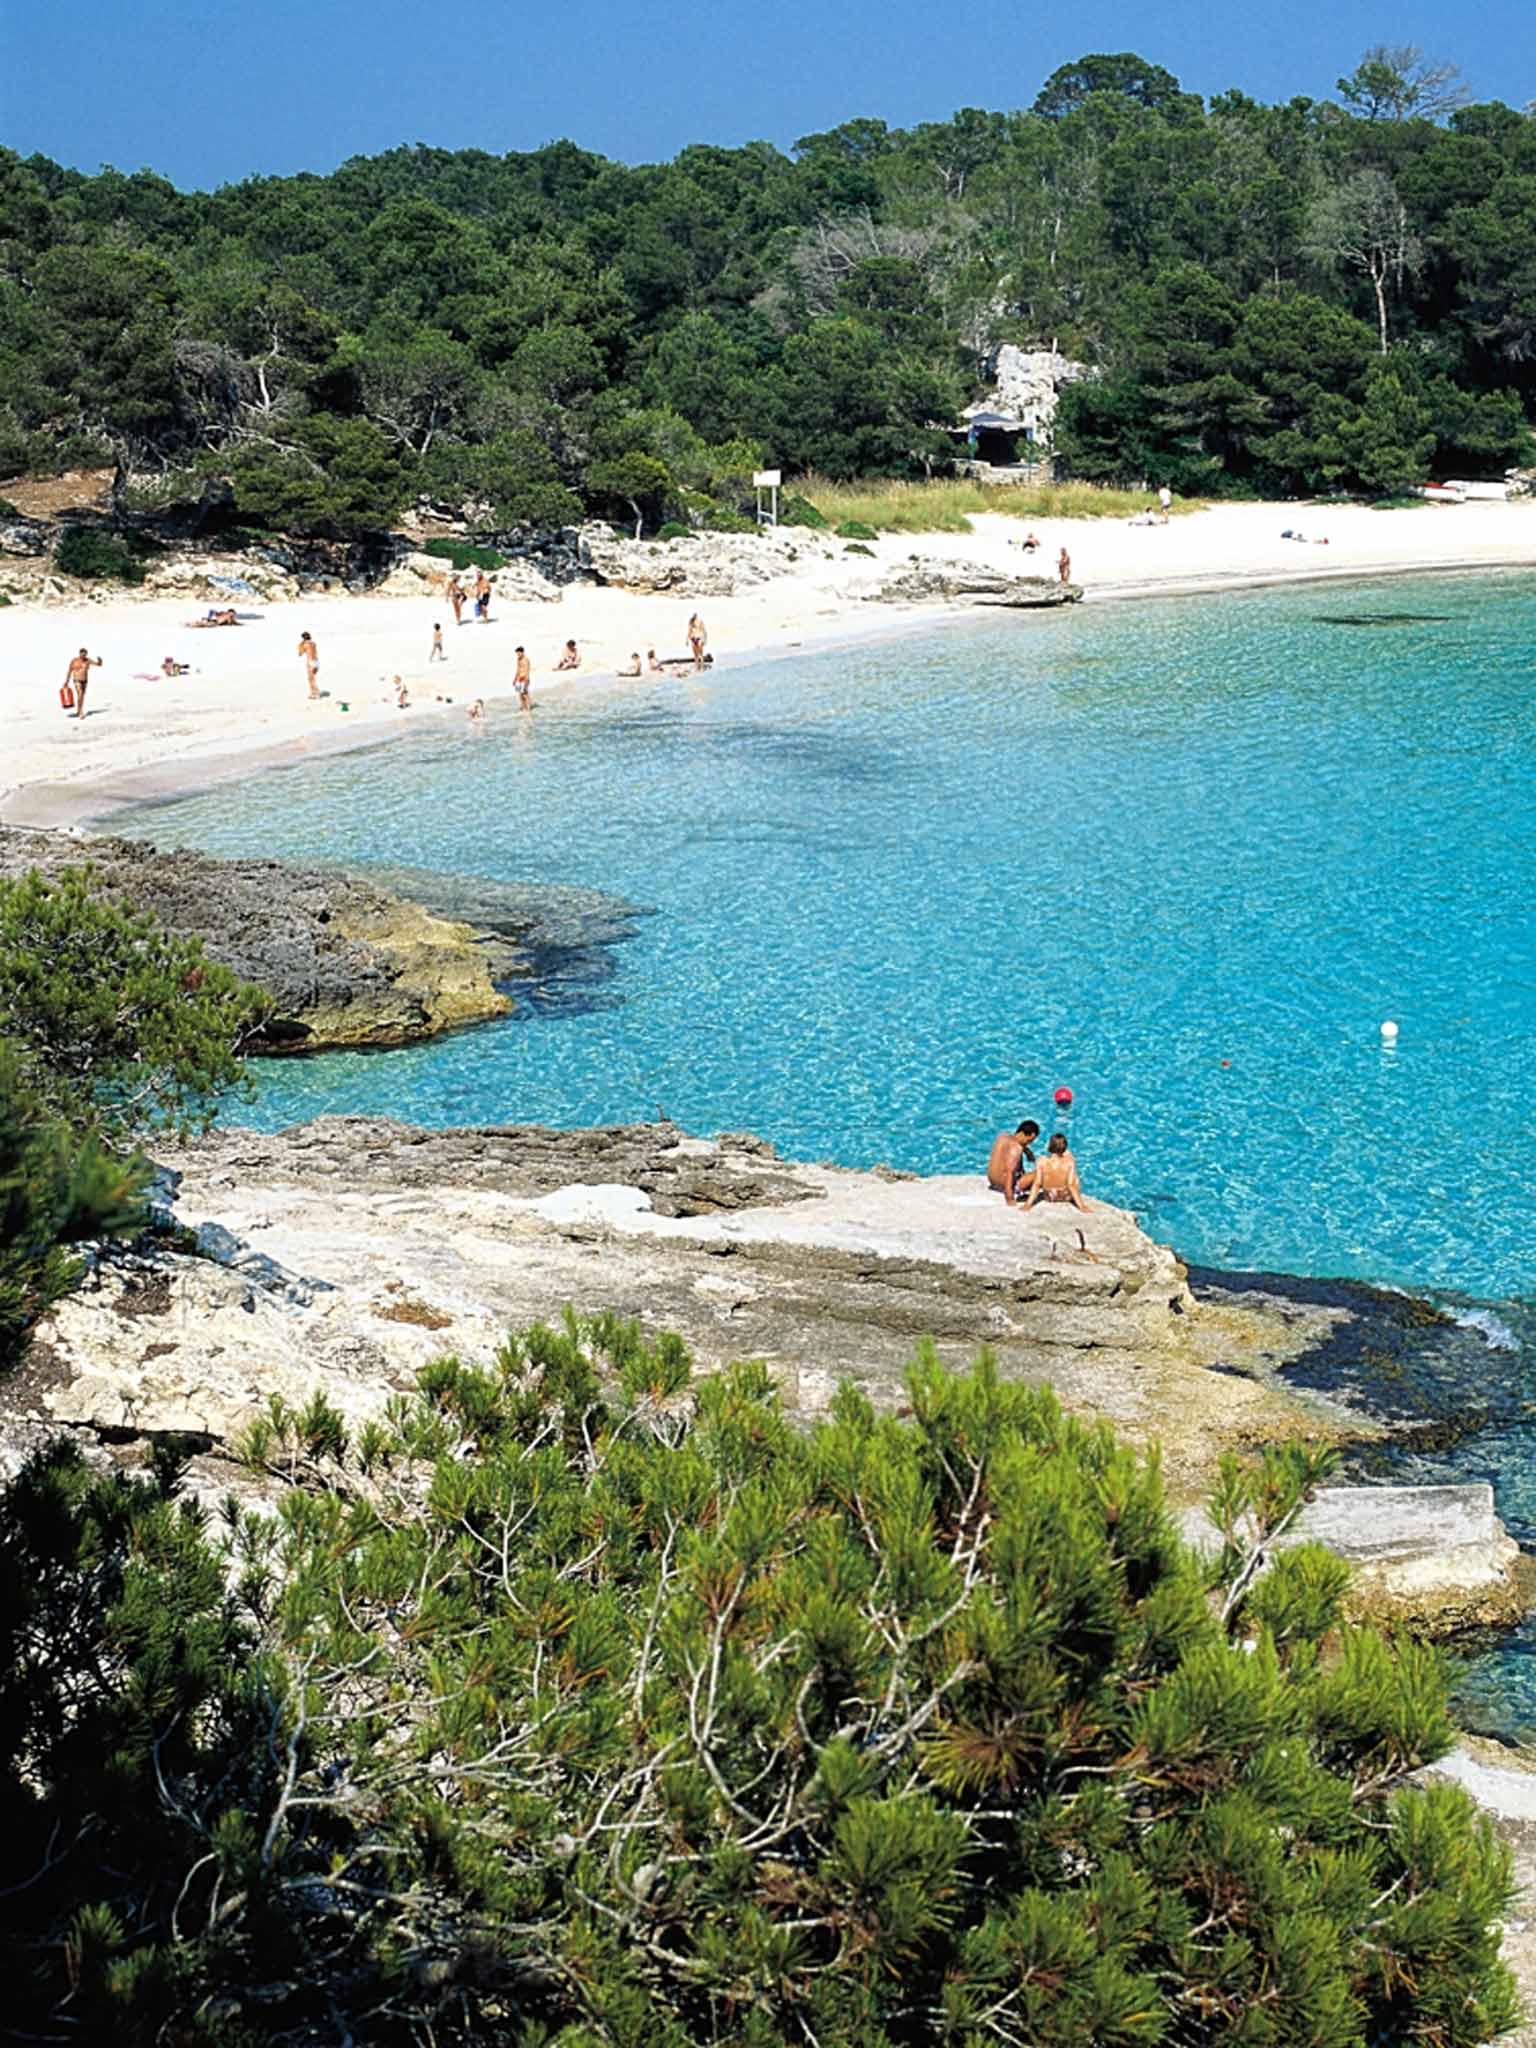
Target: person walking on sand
{"x": 456, "y": 596}
{"x": 523, "y": 678}
{"x": 1165, "y": 502}
{"x": 76, "y": 677}
{"x": 698, "y": 639}
{"x": 1055, "y": 1177}
{"x": 1011, "y": 1164}
{"x": 1064, "y": 566}
{"x": 482, "y": 597}
{"x": 310, "y": 654}
{"x": 439, "y": 652}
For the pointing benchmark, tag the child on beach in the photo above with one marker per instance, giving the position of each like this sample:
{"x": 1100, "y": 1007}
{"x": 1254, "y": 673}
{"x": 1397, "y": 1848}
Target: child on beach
{"x": 439, "y": 652}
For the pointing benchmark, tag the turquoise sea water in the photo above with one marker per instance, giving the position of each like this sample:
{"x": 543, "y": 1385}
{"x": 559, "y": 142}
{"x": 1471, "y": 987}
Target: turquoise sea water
{"x": 1184, "y": 857}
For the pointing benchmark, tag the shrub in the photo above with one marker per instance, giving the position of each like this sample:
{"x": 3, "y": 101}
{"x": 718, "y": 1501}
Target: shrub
{"x": 120, "y": 1026}
{"x": 87, "y": 552}
{"x": 857, "y": 547}
{"x": 798, "y": 511}
{"x": 55, "y": 1189}
{"x": 571, "y": 1702}
{"x": 726, "y": 519}
{"x": 672, "y": 529}
{"x": 855, "y": 529}
{"x": 464, "y": 554}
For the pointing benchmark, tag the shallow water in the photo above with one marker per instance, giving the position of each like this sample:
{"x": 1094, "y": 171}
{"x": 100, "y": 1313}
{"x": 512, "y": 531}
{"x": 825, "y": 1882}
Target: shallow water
{"x": 1184, "y": 857}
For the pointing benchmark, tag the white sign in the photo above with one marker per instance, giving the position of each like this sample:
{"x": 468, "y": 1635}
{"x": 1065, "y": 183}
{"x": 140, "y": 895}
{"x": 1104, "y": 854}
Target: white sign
{"x": 767, "y": 479}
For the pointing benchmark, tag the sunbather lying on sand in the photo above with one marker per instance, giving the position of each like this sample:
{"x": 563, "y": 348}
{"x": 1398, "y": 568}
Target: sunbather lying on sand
{"x": 217, "y": 618}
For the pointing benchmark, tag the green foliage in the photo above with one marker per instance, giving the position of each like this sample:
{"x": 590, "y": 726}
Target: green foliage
{"x": 464, "y": 554}
{"x": 579, "y": 1702}
{"x": 120, "y": 1027}
{"x": 56, "y": 1188}
{"x": 797, "y": 511}
{"x": 672, "y": 529}
{"x": 88, "y": 552}
{"x": 855, "y": 529}
{"x": 524, "y": 338}
{"x": 726, "y": 519}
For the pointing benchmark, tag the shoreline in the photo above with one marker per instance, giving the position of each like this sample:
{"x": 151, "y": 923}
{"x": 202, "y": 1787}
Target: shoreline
{"x": 241, "y": 711}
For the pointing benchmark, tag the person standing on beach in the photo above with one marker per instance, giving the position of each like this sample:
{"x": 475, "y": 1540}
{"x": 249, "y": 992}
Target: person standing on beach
{"x": 698, "y": 639}
{"x": 439, "y": 652}
{"x": 1165, "y": 502}
{"x": 311, "y": 655}
{"x": 1064, "y": 566}
{"x": 456, "y": 594}
{"x": 76, "y": 677}
{"x": 523, "y": 678}
{"x": 482, "y": 597}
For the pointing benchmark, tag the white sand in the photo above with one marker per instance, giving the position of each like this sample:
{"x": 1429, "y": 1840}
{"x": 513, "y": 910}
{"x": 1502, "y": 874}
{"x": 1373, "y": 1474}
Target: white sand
{"x": 246, "y": 693}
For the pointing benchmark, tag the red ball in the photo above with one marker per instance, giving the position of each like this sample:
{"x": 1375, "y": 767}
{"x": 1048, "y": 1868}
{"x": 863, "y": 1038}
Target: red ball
{"x": 1063, "y": 1098}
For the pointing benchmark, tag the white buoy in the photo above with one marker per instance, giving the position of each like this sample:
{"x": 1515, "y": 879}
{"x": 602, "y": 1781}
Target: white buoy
{"x": 1389, "y": 1032}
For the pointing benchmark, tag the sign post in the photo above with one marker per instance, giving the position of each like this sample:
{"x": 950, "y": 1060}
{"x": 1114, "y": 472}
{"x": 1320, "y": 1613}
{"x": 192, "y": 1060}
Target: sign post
{"x": 767, "y": 480}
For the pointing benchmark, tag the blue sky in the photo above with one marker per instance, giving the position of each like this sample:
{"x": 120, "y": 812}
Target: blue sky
{"x": 211, "y": 93}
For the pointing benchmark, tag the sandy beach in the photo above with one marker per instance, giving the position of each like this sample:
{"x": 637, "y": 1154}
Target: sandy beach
{"x": 244, "y": 699}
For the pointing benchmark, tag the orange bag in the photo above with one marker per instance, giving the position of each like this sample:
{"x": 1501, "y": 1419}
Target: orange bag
{"x": 67, "y": 696}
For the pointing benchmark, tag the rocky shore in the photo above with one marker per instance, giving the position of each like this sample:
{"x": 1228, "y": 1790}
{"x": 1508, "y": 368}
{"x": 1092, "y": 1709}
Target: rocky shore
{"x": 341, "y": 1256}
{"x": 344, "y": 960}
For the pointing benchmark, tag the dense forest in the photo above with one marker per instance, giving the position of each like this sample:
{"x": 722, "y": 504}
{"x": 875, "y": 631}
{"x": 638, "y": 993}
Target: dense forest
{"x": 1332, "y": 294}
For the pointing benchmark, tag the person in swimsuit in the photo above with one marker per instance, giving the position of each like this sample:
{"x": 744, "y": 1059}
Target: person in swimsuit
{"x": 1011, "y": 1163}
{"x": 523, "y": 678}
{"x": 633, "y": 668}
{"x": 1064, "y": 566}
{"x": 652, "y": 666}
{"x": 78, "y": 674}
{"x": 482, "y": 597}
{"x": 456, "y": 596}
{"x": 1056, "y": 1176}
{"x": 439, "y": 652}
{"x": 571, "y": 658}
{"x": 311, "y": 655}
{"x": 698, "y": 639}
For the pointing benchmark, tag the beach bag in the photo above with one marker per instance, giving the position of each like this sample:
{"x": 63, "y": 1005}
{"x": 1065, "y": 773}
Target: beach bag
{"x": 67, "y": 696}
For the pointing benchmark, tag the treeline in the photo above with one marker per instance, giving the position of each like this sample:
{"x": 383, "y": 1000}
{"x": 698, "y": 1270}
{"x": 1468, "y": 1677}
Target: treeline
{"x": 1325, "y": 294}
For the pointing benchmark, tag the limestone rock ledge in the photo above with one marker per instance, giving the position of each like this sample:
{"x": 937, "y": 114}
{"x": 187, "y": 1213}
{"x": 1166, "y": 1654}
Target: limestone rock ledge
{"x": 344, "y": 962}
{"x": 344, "y": 1254}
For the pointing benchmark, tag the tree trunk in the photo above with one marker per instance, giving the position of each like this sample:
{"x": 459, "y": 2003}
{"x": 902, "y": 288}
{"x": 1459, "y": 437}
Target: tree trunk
{"x": 1378, "y": 280}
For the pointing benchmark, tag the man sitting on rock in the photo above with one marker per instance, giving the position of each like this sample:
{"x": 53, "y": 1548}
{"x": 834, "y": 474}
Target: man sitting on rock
{"x": 1011, "y": 1164}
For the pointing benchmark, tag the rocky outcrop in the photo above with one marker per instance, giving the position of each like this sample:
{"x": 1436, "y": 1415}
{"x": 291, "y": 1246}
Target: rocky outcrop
{"x": 342, "y": 961}
{"x": 365, "y": 1239}
{"x": 516, "y": 582}
{"x": 932, "y": 582}
{"x": 703, "y": 564}
{"x": 1026, "y": 386}
{"x": 341, "y": 1256}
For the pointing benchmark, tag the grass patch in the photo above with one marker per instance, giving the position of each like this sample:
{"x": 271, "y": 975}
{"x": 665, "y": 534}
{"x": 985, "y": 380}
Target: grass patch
{"x": 947, "y": 505}
{"x": 464, "y": 555}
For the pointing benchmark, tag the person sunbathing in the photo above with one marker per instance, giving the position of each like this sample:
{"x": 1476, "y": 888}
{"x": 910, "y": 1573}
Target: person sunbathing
{"x": 229, "y": 617}
{"x": 170, "y": 667}
{"x": 571, "y": 658}
{"x": 1056, "y": 1176}
{"x": 1011, "y": 1163}
{"x": 653, "y": 667}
